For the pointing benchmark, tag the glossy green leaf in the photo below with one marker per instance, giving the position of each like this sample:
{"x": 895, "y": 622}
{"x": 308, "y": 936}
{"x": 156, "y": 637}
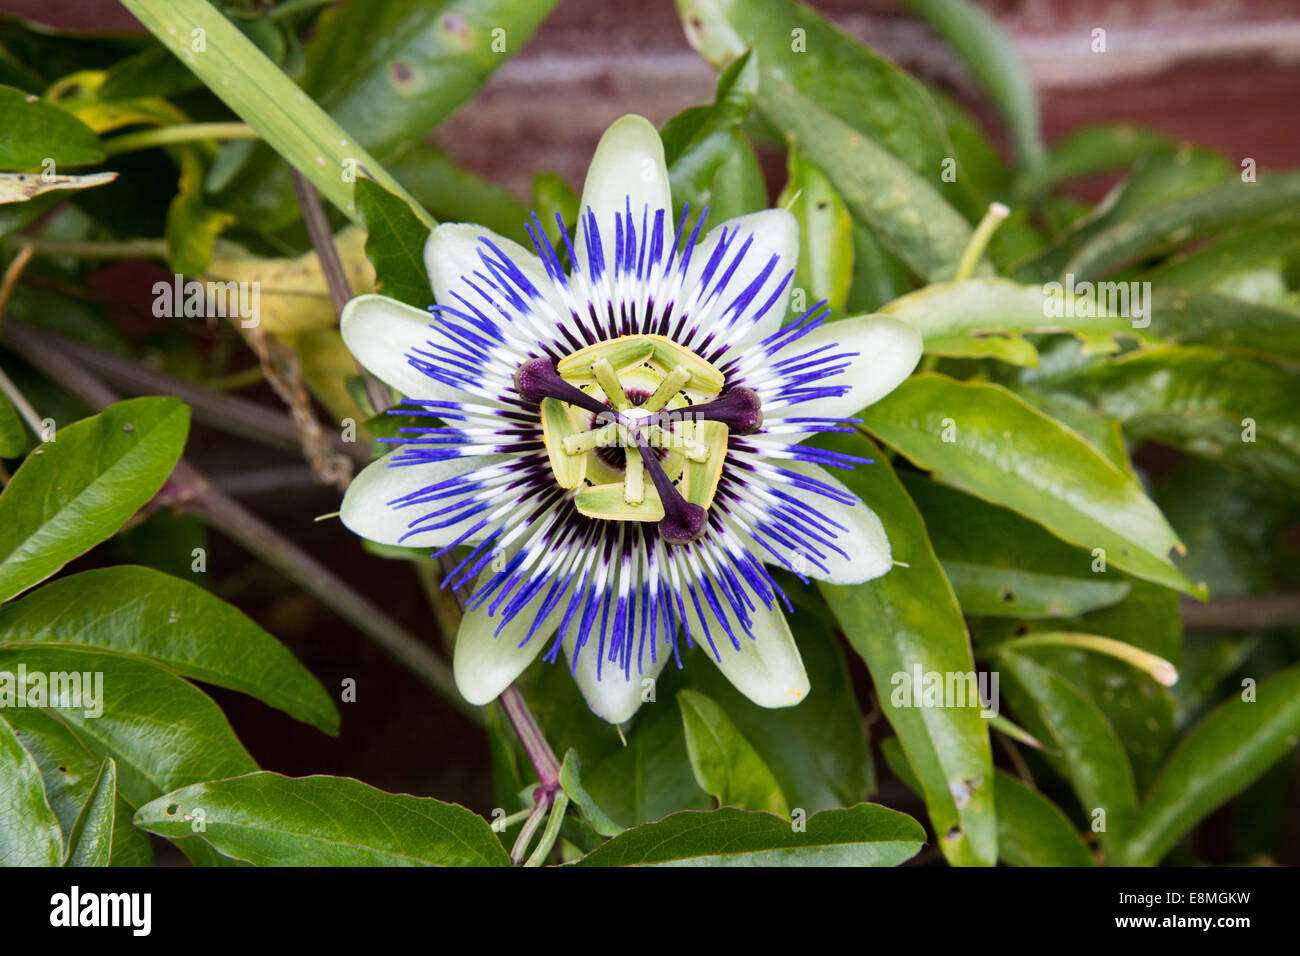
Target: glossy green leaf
{"x": 1003, "y": 565}
{"x": 394, "y": 245}
{"x": 817, "y": 751}
{"x": 270, "y": 820}
{"x": 1090, "y": 150}
{"x": 864, "y": 835}
{"x": 1170, "y": 224}
{"x": 907, "y": 215}
{"x": 1226, "y": 322}
{"x": 994, "y": 61}
{"x": 161, "y": 731}
{"x": 700, "y": 140}
{"x": 725, "y": 763}
{"x": 13, "y": 439}
{"x": 387, "y": 72}
{"x": 1221, "y": 756}
{"x": 1161, "y": 179}
{"x": 571, "y": 781}
{"x": 146, "y": 614}
{"x": 651, "y": 776}
{"x": 1007, "y": 452}
{"x": 33, "y": 132}
{"x": 454, "y": 194}
{"x": 947, "y": 314}
{"x": 871, "y": 128}
{"x": 75, "y": 491}
{"x": 1033, "y": 831}
{"x": 825, "y": 265}
{"x": 910, "y": 619}
{"x": 1226, "y": 408}
{"x": 1102, "y": 432}
{"x": 261, "y": 94}
{"x": 1134, "y": 695}
{"x": 29, "y": 831}
{"x": 70, "y": 770}
{"x": 878, "y": 275}
{"x": 91, "y": 841}
{"x": 1093, "y": 756}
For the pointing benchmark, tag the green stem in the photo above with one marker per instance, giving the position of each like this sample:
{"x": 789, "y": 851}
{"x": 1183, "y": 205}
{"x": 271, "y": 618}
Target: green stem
{"x": 113, "y": 249}
{"x": 552, "y": 831}
{"x": 180, "y": 133}
{"x": 979, "y": 239}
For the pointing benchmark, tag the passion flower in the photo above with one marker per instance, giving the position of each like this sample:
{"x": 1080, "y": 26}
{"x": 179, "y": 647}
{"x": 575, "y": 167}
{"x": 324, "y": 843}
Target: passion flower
{"x": 619, "y": 446}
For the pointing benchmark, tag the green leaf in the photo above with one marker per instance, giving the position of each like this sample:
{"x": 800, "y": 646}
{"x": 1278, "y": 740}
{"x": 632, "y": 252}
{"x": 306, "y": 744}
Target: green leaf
{"x": 1003, "y": 565}
{"x": 454, "y": 194}
{"x": 1160, "y": 180}
{"x": 1009, "y": 453}
{"x": 1090, "y": 150}
{"x": 1094, "y": 758}
{"x": 70, "y": 770}
{"x": 571, "y": 781}
{"x": 29, "y": 831}
{"x": 146, "y": 614}
{"x": 73, "y": 492}
{"x": 878, "y": 275}
{"x": 1220, "y": 757}
{"x": 1225, "y": 322}
{"x": 651, "y": 776}
{"x": 1032, "y": 830}
{"x": 699, "y": 141}
{"x": 387, "y": 72}
{"x": 261, "y": 94}
{"x": 192, "y": 225}
{"x": 842, "y": 76}
{"x": 817, "y": 751}
{"x": 996, "y": 64}
{"x": 394, "y": 245}
{"x": 825, "y": 265}
{"x": 725, "y": 763}
{"x": 910, "y": 619}
{"x": 33, "y": 131}
{"x": 1174, "y": 223}
{"x": 1133, "y": 694}
{"x": 1226, "y": 408}
{"x": 91, "y": 841}
{"x": 901, "y": 208}
{"x": 13, "y": 439}
{"x": 946, "y": 312}
{"x": 864, "y": 835}
{"x": 872, "y": 128}
{"x": 162, "y": 732}
{"x": 270, "y": 820}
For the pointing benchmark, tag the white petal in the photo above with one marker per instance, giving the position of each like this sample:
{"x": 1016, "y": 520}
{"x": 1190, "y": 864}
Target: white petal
{"x": 767, "y": 669}
{"x": 774, "y": 232}
{"x": 613, "y": 697}
{"x": 887, "y": 352}
{"x": 865, "y": 541}
{"x": 379, "y": 331}
{"x": 628, "y": 167}
{"x": 453, "y": 251}
{"x": 366, "y": 510}
{"x": 485, "y": 663}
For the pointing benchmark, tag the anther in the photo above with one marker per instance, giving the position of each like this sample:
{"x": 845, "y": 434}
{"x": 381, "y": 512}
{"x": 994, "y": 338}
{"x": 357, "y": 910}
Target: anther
{"x": 538, "y": 379}
{"x": 740, "y": 410}
{"x": 682, "y": 522}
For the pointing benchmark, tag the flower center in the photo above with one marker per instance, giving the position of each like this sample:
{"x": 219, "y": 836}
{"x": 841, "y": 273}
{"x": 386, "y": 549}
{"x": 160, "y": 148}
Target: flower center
{"x": 616, "y": 411}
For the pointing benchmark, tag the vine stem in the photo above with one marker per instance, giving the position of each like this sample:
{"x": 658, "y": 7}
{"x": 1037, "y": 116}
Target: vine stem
{"x": 180, "y": 133}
